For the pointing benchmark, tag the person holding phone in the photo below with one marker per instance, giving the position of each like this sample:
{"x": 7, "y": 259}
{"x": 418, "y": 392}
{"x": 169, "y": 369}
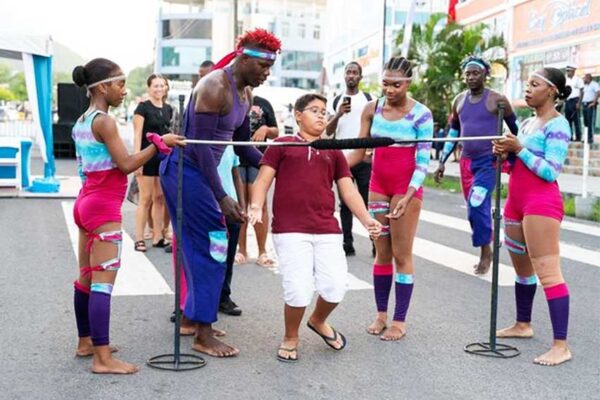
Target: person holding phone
{"x": 344, "y": 123}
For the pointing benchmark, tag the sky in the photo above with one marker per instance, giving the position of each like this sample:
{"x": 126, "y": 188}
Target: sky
{"x": 121, "y": 30}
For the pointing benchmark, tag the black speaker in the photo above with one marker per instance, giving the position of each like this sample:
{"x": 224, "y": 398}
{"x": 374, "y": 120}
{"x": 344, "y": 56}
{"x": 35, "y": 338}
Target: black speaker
{"x": 72, "y": 102}
{"x": 64, "y": 147}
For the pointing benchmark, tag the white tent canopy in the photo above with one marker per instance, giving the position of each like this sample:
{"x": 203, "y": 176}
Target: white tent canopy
{"x": 18, "y": 43}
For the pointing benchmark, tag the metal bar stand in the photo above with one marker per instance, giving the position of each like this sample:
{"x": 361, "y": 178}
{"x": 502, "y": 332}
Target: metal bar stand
{"x": 178, "y": 361}
{"x": 492, "y": 348}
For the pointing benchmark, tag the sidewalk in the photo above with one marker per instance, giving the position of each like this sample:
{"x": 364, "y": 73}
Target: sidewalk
{"x": 568, "y": 183}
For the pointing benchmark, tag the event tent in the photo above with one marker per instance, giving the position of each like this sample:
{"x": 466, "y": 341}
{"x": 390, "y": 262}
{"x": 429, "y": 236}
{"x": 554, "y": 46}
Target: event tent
{"x": 36, "y": 53}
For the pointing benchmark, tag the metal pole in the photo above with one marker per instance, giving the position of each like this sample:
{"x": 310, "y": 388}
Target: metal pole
{"x": 178, "y": 238}
{"x": 497, "y": 219}
{"x": 586, "y": 161}
{"x": 383, "y": 33}
{"x": 408, "y": 25}
{"x": 235, "y": 22}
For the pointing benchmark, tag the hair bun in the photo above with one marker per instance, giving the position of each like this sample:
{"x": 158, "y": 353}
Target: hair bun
{"x": 565, "y": 93}
{"x": 79, "y": 75}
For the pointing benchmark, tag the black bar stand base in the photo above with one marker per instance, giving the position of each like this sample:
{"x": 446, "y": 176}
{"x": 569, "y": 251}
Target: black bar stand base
{"x": 498, "y": 350}
{"x": 178, "y": 361}
{"x": 169, "y": 362}
{"x": 491, "y": 348}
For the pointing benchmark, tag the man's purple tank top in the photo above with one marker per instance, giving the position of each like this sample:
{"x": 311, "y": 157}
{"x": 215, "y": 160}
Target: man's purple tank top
{"x": 476, "y": 120}
{"x": 227, "y": 124}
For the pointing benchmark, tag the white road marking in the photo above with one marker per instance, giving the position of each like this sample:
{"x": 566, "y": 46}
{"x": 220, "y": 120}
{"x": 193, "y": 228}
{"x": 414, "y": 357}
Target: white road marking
{"x": 137, "y": 275}
{"x": 567, "y": 251}
{"x": 450, "y": 258}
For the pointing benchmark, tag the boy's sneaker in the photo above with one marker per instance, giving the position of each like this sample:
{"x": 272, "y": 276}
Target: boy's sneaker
{"x": 349, "y": 249}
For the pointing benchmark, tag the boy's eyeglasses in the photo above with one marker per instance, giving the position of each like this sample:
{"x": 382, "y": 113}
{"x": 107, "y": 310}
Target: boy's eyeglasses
{"x": 317, "y": 111}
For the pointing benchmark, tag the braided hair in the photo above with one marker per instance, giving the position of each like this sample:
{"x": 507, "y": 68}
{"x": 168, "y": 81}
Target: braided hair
{"x": 399, "y": 63}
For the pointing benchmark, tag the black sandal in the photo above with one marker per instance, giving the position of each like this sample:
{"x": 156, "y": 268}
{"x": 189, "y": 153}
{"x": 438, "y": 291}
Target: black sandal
{"x": 329, "y": 340}
{"x": 140, "y": 245}
{"x": 161, "y": 243}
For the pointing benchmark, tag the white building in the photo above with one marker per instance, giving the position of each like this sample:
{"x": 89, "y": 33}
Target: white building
{"x": 191, "y": 31}
{"x": 355, "y": 32}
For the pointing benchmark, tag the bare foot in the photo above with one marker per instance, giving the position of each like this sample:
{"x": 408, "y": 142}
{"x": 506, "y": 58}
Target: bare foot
{"x": 377, "y": 327}
{"x": 520, "y": 330}
{"x": 85, "y": 348}
{"x": 395, "y": 331}
{"x": 104, "y": 363}
{"x": 485, "y": 261}
{"x": 288, "y": 351}
{"x": 207, "y": 344}
{"x": 190, "y": 331}
{"x": 557, "y": 355}
{"x": 113, "y": 366}
{"x": 483, "y": 266}
{"x": 218, "y": 332}
{"x": 187, "y": 330}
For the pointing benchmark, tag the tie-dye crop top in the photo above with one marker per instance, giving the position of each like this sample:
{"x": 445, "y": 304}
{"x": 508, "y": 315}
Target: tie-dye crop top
{"x": 545, "y": 149}
{"x": 417, "y": 124}
{"x": 91, "y": 155}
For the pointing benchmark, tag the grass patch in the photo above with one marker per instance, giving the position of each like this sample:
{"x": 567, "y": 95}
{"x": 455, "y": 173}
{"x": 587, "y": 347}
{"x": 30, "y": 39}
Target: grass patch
{"x": 569, "y": 205}
{"x": 452, "y": 184}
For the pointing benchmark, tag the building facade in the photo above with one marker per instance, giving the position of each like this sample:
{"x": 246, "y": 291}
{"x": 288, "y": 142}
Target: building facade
{"x": 189, "y": 32}
{"x": 540, "y": 33}
{"x": 355, "y": 33}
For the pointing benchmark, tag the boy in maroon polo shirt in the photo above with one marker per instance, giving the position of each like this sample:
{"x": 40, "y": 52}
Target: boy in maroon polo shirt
{"x": 307, "y": 237}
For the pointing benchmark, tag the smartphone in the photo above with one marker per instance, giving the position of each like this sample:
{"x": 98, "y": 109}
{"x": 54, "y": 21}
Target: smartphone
{"x": 347, "y": 100}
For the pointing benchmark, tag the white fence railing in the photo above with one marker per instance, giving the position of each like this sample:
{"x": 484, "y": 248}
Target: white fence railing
{"x": 18, "y": 129}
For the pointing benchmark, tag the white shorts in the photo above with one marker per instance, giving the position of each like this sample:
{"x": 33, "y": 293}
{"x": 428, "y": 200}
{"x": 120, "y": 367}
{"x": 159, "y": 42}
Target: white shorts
{"x": 309, "y": 261}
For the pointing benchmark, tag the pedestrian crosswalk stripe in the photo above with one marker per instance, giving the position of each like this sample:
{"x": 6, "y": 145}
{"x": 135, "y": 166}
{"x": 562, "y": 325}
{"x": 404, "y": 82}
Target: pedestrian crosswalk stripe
{"x": 449, "y": 257}
{"x": 137, "y": 275}
{"x": 580, "y": 228}
{"x": 568, "y": 251}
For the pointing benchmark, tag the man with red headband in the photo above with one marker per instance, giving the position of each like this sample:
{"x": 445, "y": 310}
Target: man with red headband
{"x": 218, "y": 110}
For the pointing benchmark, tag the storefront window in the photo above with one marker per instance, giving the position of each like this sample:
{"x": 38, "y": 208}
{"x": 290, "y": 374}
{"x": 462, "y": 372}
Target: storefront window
{"x": 187, "y": 29}
{"x": 302, "y": 60}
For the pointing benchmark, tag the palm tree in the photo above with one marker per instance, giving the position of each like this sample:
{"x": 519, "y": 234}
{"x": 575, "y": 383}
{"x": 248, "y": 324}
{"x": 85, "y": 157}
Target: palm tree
{"x": 437, "y": 50}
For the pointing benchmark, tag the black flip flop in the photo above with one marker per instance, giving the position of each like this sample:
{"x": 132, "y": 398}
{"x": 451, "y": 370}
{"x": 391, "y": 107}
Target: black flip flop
{"x": 287, "y": 360}
{"x": 329, "y": 339}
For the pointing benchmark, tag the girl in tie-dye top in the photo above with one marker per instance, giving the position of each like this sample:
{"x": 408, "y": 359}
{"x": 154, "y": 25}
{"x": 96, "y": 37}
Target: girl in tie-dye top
{"x": 103, "y": 164}
{"x": 534, "y": 210}
{"x": 396, "y": 184}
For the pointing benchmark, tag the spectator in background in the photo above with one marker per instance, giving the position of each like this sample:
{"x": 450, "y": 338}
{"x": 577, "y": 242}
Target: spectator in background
{"x": 152, "y": 115}
{"x": 591, "y": 94}
{"x": 438, "y": 133}
{"x": 573, "y": 103}
{"x": 346, "y": 111}
{"x": 205, "y": 68}
{"x": 263, "y": 125}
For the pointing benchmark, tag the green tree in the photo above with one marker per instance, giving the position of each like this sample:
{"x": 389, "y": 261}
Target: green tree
{"x": 136, "y": 80}
{"x": 437, "y": 49}
{"x": 6, "y": 94}
{"x": 16, "y": 84}
{"x": 5, "y": 73}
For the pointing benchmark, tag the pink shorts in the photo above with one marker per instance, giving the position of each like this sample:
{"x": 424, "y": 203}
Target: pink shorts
{"x": 392, "y": 170}
{"x": 529, "y": 194}
{"x": 100, "y": 199}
